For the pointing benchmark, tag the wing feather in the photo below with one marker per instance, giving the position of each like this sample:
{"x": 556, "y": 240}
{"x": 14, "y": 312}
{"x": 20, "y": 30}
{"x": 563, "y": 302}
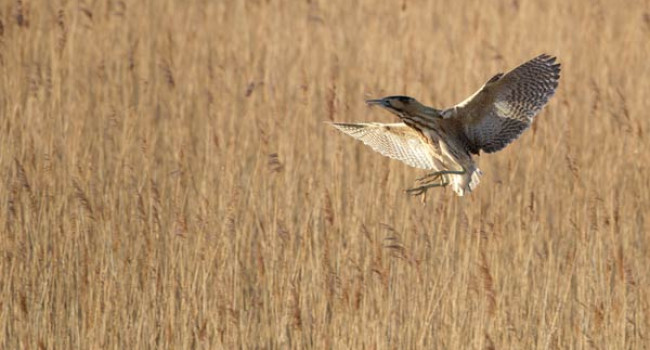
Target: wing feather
{"x": 505, "y": 106}
{"x": 397, "y": 141}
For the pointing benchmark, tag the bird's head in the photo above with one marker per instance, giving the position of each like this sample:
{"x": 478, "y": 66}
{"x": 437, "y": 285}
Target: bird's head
{"x": 402, "y": 104}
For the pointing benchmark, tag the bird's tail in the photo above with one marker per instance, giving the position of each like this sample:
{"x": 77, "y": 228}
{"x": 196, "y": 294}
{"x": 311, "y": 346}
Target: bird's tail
{"x": 465, "y": 183}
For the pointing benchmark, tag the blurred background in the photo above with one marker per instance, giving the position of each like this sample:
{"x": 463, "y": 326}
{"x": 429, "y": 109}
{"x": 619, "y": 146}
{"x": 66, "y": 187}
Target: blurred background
{"x": 168, "y": 180}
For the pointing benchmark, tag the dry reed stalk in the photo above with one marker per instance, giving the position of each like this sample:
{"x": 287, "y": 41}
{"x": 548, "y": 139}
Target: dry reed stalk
{"x": 156, "y": 206}
{"x": 83, "y": 199}
{"x": 21, "y": 14}
{"x": 274, "y": 163}
{"x": 328, "y": 209}
{"x": 488, "y": 285}
{"x": 63, "y": 31}
{"x": 168, "y": 74}
{"x": 294, "y": 302}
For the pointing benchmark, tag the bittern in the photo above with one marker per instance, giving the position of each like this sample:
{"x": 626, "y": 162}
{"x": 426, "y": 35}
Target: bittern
{"x": 445, "y": 140}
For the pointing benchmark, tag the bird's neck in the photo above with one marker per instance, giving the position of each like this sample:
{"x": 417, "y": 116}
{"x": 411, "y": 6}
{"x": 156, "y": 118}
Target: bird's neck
{"x": 432, "y": 112}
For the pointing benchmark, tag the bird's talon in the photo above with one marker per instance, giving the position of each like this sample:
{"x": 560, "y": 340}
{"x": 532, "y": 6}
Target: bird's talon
{"x": 427, "y": 176}
{"x": 416, "y": 191}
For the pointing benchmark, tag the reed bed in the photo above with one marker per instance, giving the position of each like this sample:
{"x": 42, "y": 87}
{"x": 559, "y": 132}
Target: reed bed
{"x": 168, "y": 181}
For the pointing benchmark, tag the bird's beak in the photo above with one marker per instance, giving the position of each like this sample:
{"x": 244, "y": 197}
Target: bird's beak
{"x": 378, "y": 102}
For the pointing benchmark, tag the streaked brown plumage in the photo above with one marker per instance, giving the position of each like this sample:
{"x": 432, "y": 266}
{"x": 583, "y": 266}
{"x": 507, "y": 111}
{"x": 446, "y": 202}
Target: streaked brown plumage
{"x": 444, "y": 140}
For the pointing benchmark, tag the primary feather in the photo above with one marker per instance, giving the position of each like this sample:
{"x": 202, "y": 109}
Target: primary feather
{"x": 506, "y": 105}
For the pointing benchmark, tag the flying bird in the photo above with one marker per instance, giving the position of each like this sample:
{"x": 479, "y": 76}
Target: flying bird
{"x": 445, "y": 140}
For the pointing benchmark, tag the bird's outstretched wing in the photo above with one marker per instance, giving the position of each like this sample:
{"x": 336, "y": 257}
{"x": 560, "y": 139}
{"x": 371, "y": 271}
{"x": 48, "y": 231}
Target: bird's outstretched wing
{"x": 505, "y": 106}
{"x": 397, "y": 141}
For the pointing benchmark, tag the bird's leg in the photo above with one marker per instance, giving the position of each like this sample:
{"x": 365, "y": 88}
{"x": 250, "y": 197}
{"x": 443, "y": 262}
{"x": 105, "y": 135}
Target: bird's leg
{"x": 416, "y": 191}
{"x": 438, "y": 174}
{"x": 426, "y": 182}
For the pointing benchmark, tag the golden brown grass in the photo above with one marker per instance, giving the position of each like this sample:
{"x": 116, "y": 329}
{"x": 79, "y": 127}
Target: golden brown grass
{"x": 168, "y": 181}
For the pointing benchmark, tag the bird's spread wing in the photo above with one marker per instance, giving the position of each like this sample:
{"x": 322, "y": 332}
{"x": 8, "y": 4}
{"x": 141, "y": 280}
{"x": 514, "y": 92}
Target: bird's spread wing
{"x": 397, "y": 141}
{"x": 505, "y": 106}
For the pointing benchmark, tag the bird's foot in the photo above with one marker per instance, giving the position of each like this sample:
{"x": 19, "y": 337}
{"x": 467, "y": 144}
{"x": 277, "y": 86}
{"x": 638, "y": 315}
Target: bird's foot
{"x": 432, "y": 180}
{"x": 416, "y": 191}
{"x": 436, "y": 175}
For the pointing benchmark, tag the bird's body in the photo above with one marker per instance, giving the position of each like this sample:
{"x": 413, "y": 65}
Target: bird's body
{"x": 445, "y": 140}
